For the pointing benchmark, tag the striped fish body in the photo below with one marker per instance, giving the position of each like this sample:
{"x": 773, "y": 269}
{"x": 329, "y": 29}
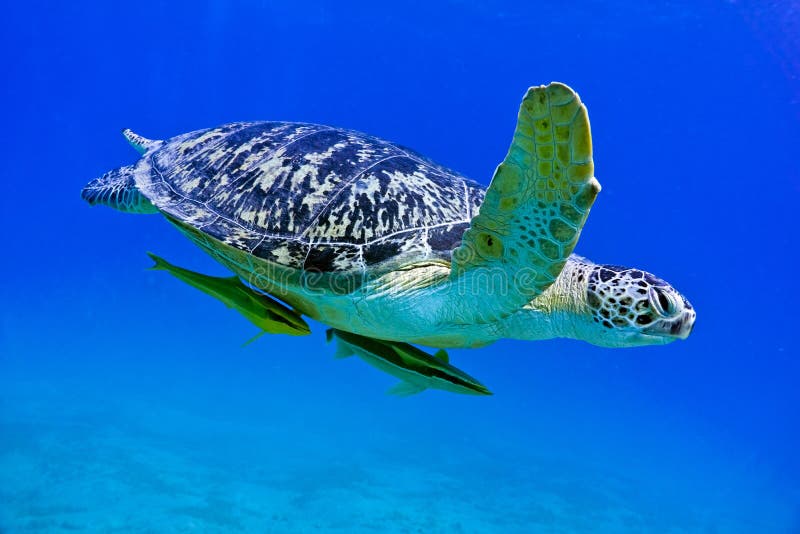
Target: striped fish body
{"x": 416, "y": 369}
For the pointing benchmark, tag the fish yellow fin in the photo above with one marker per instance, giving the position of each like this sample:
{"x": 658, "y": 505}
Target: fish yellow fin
{"x": 255, "y": 337}
{"x": 343, "y": 349}
{"x": 405, "y": 389}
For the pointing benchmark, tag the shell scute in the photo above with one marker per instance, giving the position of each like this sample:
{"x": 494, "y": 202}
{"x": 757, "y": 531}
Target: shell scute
{"x": 310, "y": 197}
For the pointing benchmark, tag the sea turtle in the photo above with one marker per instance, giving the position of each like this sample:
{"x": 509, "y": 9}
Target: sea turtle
{"x": 373, "y": 239}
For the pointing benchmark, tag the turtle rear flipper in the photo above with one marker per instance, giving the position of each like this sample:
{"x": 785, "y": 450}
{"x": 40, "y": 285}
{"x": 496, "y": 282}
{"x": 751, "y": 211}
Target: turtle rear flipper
{"x": 117, "y": 189}
{"x": 535, "y": 206}
{"x": 142, "y": 145}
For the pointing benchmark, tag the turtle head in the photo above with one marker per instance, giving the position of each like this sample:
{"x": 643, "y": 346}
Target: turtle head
{"x": 628, "y": 307}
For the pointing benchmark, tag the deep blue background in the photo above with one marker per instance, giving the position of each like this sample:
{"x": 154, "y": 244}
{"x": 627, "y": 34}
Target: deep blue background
{"x": 695, "y": 111}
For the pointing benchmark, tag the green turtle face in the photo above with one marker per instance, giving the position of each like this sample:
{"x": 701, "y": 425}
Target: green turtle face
{"x": 629, "y": 307}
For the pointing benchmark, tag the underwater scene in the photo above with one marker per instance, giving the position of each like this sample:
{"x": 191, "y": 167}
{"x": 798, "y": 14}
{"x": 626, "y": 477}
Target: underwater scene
{"x": 255, "y": 278}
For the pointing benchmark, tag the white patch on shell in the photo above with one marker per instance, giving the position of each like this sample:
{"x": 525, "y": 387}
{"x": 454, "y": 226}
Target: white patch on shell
{"x": 387, "y": 197}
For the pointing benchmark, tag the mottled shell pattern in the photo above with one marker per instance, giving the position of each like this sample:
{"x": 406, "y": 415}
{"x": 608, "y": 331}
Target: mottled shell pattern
{"x": 311, "y": 197}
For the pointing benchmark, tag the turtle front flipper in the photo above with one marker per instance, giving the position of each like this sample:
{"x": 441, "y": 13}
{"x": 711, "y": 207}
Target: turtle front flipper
{"x": 535, "y": 206}
{"x": 416, "y": 369}
{"x": 269, "y": 315}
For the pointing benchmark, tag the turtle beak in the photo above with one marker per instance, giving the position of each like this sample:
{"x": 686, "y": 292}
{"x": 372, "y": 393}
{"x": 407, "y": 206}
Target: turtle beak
{"x": 684, "y": 326}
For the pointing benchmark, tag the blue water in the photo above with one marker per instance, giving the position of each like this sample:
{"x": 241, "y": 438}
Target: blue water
{"x": 128, "y": 404}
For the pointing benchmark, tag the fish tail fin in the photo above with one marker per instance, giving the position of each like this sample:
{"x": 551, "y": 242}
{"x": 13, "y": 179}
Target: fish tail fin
{"x": 160, "y": 263}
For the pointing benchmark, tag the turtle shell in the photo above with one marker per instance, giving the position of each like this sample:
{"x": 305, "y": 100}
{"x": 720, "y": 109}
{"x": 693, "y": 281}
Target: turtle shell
{"x": 310, "y": 197}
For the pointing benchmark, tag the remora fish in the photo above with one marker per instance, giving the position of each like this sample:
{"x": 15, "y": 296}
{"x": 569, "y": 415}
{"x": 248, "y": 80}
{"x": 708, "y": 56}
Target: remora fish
{"x": 267, "y": 314}
{"x": 416, "y": 369}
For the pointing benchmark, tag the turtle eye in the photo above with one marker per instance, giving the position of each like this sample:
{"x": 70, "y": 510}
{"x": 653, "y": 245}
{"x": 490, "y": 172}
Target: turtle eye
{"x": 663, "y": 302}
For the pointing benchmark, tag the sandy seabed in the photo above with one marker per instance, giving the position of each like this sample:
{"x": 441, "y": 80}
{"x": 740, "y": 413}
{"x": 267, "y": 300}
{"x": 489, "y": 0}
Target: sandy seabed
{"x": 70, "y": 463}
